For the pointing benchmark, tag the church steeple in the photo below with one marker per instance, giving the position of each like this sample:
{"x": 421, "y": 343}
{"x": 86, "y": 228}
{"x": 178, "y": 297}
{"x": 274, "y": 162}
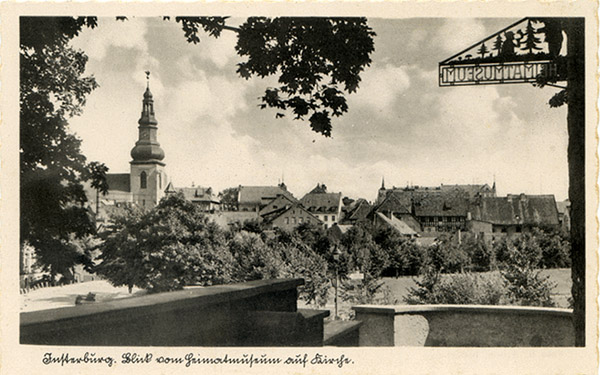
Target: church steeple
{"x": 147, "y": 149}
{"x": 382, "y": 183}
{"x": 147, "y": 178}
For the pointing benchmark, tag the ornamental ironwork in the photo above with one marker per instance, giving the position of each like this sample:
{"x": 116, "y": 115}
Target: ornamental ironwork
{"x": 528, "y": 51}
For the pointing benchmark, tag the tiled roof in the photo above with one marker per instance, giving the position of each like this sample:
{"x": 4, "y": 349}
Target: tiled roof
{"x": 445, "y": 204}
{"x": 396, "y": 224}
{"x": 447, "y": 200}
{"x": 322, "y": 202}
{"x": 260, "y": 194}
{"x": 396, "y": 201}
{"x": 518, "y": 210}
{"x": 118, "y": 181}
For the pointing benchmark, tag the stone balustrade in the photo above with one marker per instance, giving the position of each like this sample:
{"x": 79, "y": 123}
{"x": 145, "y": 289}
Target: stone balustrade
{"x": 464, "y": 325}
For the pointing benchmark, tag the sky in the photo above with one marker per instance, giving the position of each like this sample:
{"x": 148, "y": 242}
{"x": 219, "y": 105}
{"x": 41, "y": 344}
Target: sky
{"x": 400, "y": 125}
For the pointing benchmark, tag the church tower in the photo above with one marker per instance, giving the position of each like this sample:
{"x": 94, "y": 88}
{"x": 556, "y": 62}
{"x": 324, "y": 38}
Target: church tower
{"x": 148, "y": 179}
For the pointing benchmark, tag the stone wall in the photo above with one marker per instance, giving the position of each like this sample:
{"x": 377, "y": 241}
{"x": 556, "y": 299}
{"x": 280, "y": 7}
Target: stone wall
{"x": 255, "y": 313}
{"x": 464, "y": 325}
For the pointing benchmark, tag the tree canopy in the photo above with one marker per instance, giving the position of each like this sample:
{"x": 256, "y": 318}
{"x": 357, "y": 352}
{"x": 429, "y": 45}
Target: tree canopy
{"x": 53, "y": 88}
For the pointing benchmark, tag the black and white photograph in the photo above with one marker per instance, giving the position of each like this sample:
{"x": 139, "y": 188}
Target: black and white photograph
{"x": 199, "y": 192}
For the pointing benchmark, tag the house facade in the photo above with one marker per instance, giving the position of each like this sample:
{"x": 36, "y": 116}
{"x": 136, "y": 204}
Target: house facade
{"x": 327, "y": 207}
{"x": 289, "y": 217}
{"x": 201, "y": 196}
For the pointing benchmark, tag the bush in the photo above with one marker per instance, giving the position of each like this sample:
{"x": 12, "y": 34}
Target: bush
{"x": 518, "y": 283}
{"x": 459, "y": 289}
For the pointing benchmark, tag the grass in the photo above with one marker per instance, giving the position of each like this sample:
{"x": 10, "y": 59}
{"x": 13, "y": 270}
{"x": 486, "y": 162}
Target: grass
{"x": 400, "y": 287}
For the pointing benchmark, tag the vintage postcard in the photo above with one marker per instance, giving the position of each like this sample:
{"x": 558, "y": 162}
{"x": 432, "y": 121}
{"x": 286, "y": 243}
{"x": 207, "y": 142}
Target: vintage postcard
{"x": 303, "y": 188}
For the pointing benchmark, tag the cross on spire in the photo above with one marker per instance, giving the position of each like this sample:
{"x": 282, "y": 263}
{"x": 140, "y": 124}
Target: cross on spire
{"x": 147, "y": 79}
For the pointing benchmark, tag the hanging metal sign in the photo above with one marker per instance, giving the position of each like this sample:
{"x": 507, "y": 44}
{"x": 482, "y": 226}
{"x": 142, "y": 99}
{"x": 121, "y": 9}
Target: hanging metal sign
{"x": 519, "y": 53}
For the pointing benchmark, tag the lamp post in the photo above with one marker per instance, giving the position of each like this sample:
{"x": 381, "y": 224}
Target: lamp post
{"x": 336, "y": 258}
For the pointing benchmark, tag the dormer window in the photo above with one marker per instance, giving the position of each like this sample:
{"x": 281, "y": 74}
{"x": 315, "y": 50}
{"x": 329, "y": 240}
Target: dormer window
{"x": 143, "y": 180}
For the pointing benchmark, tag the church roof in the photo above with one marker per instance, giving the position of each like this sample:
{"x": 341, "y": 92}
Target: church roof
{"x": 118, "y": 182}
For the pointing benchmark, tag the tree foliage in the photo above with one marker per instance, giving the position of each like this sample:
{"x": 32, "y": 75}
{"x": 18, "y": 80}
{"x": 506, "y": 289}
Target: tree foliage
{"x": 53, "y": 88}
{"x": 166, "y": 248}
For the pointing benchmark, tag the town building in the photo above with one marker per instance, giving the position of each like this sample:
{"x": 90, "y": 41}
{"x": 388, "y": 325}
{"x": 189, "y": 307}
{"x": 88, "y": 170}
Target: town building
{"x": 200, "y": 196}
{"x": 289, "y": 216}
{"x": 327, "y": 207}
{"x": 513, "y": 214}
{"x": 254, "y": 198}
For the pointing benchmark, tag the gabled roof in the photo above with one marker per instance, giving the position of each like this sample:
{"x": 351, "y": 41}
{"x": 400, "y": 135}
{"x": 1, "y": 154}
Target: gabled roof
{"x": 260, "y": 194}
{"x": 518, "y": 210}
{"x": 396, "y": 224}
{"x": 282, "y": 201}
{"x": 396, "y": 201}
{"x": 359, "y": 211}
{"x": 322, "y": 202}
{"x": 281, "y": 211}
{"x": 118, "y": 182}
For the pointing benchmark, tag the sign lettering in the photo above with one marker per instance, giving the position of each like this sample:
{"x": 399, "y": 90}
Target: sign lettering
{"x": 494, "y": 73}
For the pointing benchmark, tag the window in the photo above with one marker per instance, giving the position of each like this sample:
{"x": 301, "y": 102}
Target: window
{"x": 325, "y": 218}
{"x": 287, "y": 220}
{"x": 333, "y": 218}
{"x": 293, "y": 220}
{"x": 143, "y": 180}
{"x": 299, "y": 220}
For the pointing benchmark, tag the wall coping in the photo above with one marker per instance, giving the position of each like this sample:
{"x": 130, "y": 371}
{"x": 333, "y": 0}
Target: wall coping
{"x": 484, "y": 309}
{"x": 168, "y": 301}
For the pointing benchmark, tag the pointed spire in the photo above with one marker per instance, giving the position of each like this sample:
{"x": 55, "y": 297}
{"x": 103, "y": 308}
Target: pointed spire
{"x": 147, "y": 147}
{"x": 147, "y": 117}
{"x": 382, "y": 183}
